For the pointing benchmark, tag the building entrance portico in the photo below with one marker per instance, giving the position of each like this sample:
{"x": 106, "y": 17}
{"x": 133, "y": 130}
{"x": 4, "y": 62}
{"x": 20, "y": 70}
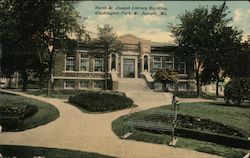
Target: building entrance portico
{"x": 129, "y": 67}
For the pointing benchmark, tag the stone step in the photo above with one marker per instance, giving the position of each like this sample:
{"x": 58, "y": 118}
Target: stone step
{"x": 133, "y": 84}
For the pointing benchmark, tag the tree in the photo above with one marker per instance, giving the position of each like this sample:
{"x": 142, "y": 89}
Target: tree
{"x": 38, "y": 29}
{"x": 237, "y": 61}
{"x": 166, "y": 76}
{"x": 237, "y": 90}
{"x": 63, "y": 20}
{"x": 106, "y": 43}
{"x": 204, "y": 37}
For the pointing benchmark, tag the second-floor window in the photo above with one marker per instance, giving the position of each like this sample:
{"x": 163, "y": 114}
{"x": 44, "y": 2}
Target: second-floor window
{"x": 157, "y": 64}
{"x": 169, "y": 62}
{"x": 98, "y": 65}
{"x": 70, "y": 63}
{"x": 181, "y": 68}
{"x": 84, "y": 63}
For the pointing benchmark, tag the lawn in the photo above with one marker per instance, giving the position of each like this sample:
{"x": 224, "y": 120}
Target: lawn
{"x": 45, "y": 113}
{"x": 30, "y": 152}
{"x": 237, "y": 118}
{"x": 60, "y": 94}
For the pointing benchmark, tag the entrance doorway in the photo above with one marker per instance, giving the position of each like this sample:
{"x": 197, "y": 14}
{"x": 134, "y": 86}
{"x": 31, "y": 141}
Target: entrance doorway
{"x": 129, "y": 68}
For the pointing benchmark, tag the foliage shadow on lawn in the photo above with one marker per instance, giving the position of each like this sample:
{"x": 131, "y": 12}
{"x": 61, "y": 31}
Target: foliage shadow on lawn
{"x": 189, "y": 142}
{"x": 31, "y": 152}
{"x": 45, "y": 114}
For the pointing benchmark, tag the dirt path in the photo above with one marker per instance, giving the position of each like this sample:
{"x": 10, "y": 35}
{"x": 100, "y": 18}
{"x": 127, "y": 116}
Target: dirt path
{"x": 91, "y": 133}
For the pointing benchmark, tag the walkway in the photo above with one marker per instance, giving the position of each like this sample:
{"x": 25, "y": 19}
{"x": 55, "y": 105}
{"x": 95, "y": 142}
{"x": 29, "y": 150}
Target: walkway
{"x": 91, "y": 133}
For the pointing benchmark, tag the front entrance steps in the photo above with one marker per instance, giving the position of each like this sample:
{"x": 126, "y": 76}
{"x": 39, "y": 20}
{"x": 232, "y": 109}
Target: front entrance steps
{"x": 138, "y": 90}
{"x": 133, "y": 85}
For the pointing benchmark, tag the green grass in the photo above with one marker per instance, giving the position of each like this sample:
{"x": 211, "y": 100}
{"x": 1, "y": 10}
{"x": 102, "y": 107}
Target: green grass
{"x": 46, "y": 112}
{"x": 30, "y": 152}
{"x": 62, "y": 94}
{"x": 235, "y": 117}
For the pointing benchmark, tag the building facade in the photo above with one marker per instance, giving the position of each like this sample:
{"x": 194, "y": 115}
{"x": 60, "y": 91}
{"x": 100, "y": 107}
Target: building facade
{"x": 140, "y": 59}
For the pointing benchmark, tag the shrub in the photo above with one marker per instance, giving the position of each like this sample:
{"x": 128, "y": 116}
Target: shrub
{"x": 237, "y": 90}
{"x": 166, "y": 75}
{"x": 101, "y": 101}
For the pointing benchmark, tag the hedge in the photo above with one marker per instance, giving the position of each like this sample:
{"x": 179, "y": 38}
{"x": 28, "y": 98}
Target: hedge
{"x": 231, "y": 141}
{"x": 101, "y": 101}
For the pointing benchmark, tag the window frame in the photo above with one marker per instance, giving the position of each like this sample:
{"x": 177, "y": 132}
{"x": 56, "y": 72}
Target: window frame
{"x": 185, "y": 70}
{"x": 155, "y": 61}
{"x": 65, "y": 84}
{"x": 87, "y": 85}
{"x": 94, "y": 85}
{"x": 80, "y": 61}
{"x": 101, "y": 64}
{"x": 169, "y": 62}
{"x": 185, "y": 83}
{"x": 66, "y": 62}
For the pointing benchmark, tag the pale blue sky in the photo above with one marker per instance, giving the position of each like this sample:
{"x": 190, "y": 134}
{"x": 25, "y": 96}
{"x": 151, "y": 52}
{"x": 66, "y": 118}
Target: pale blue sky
{"x": 155, "y": 27}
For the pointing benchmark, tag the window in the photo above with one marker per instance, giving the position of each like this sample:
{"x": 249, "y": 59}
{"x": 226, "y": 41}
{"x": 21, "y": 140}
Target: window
{"x": 145, "y": 63}
{"x": 157, "y": 64}
{"x": 84, "y": 84}
{"x": 169, "y": 62}
{"x": 182, "y": 86}
{"x": 69, "y": 84}
{"x": 84, "y": 63}
{"x": 113, "y": 62}
{"x": 181, "y": 68}
{"x": 157, "y": 86}
{"x": 169, "y": 86}
{"x": 99, "y": 65}
{"x": 98, "y": 84}
{"x": 70, "y": 63}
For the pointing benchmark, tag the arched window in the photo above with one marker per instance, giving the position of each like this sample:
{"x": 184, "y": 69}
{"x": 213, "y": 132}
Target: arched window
{"x": 145, "y": 63}
{"x": 113, "y": 62}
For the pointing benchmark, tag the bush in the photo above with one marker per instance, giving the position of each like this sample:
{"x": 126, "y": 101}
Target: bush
{"x": 237, "y": 90}
{"x": 101, "y": 101}
{"x": 166, "y": 75}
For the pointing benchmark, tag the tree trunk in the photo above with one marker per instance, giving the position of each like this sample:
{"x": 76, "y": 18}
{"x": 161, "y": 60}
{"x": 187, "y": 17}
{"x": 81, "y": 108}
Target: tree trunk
{"x": 10, "y": 81}
{"x": 50, "y": 65}
{"x": 40, "y": 78}
{"x": 25, "y": 80}
{"x": 217, "y": 87}
{"x": 197, "y": 77}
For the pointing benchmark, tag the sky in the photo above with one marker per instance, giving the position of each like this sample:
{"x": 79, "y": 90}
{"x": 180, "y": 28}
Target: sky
{"x": 154, "y": 27}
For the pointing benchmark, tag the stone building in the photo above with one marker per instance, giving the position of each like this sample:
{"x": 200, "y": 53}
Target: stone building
{"x": 139, "y": 61}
